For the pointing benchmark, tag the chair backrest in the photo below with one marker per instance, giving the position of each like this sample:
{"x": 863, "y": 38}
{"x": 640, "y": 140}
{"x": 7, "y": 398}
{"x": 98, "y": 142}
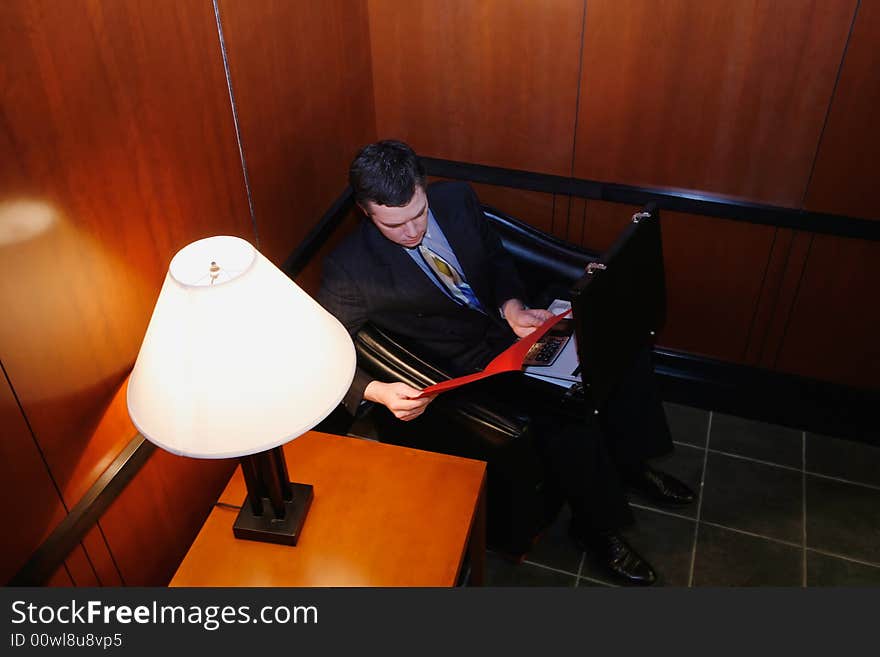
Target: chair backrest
{"x": 619, "y": 305}
{"x": 547, "y": 265}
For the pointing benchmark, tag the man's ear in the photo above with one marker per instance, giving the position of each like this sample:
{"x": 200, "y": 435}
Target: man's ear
{"x": 363, "y": 209}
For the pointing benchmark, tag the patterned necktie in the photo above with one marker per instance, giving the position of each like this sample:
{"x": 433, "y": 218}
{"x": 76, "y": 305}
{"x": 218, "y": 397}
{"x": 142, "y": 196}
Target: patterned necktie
{"x": 451, "y": 279}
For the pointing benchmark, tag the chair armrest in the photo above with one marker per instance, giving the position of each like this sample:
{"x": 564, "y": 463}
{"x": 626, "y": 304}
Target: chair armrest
{"x": 387, "y": 359}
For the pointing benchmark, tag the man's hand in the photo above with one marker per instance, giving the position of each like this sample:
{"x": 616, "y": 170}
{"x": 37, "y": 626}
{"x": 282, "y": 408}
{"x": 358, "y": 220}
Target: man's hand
{"x": 397, "y": 398}
{"x": 523, "y": 320}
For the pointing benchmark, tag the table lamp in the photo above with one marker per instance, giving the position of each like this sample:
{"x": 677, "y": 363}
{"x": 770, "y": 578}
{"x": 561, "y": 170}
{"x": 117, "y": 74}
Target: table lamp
{"x": 237, "y": 360}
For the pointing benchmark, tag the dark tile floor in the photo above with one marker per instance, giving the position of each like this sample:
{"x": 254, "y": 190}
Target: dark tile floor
{"x": 776, "y": 507}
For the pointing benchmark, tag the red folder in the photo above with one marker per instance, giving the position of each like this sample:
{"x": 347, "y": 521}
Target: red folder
{"x": 509, "y": 360}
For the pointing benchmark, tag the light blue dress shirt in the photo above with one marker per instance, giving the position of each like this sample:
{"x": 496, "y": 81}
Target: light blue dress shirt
{"x": 435, "y": 240}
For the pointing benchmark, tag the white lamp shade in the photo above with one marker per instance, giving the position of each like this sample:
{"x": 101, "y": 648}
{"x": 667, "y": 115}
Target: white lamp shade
{"x": 238, "y": 365}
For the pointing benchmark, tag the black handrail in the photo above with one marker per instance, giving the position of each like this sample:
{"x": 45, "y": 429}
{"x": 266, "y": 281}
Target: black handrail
{"x": 97, "y": 499}
{"x": 707, "y": 204}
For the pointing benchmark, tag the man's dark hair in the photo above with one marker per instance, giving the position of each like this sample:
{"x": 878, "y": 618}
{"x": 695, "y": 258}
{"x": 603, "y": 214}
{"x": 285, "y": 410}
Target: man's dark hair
{"x": 386, "y": 173}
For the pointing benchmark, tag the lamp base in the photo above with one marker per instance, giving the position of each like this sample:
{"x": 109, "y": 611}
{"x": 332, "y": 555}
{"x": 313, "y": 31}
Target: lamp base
{"x": 268, "y": 529}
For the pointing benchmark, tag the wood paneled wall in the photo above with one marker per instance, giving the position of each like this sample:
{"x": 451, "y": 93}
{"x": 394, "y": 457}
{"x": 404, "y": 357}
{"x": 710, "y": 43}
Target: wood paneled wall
{"x": 303, "y": 87}
{"x": 22, "y": 469}
{"x": 846, "y": 177}
{"x": 492, "y": 82}
{"x": 767, "y": 101}
{"x": 726, "y": 97}
{"x": 120, "y": 146}
{"x": 835, "y": 304}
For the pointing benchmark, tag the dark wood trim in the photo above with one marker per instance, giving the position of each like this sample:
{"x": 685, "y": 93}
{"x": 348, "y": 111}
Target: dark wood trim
{"x": 51, "y": 554}
{"x": 710, "y": 205}
{"x": 768, "y": 396}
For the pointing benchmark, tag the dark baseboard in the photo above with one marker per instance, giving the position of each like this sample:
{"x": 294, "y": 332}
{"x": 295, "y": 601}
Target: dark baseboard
{"x": 767, "y": 396}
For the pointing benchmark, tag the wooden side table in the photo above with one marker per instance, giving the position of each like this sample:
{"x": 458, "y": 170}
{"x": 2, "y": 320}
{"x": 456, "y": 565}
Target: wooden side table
{"x": 382, "y": 516}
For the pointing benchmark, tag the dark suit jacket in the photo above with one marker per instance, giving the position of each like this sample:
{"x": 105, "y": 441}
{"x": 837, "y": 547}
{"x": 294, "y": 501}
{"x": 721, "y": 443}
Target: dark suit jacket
{"x": 368, "y": 278}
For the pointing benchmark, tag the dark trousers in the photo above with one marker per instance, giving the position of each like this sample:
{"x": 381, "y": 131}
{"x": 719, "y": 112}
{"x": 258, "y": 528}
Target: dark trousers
{"x": 586, "y": 455}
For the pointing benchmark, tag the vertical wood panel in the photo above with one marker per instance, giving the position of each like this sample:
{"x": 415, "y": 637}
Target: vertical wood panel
{"x": 604, "y": 222}
{"x": 846, "y": 177}
{"x": 561, "y": 215}
{"x": 535, "y": 208}
{"x": 100, "y": 557}
{"x": 728, "y": 97}
{"x": 775, "y": 298}
{"x": 302, "y": 81}
{"x": 80, "y": 568}
{"x": 492, "y": 82}
{"x": 119, "y": 148}
{"x": 714, "y": 273}
{"x": 832, "y": 331}
{"x": 60, "y": 578}
{"x": 152, "y": 523}
{"x": 112, "y": 433}
{"x": 786, "y": 295}
{"x": 576, "y": 219}
{"x": 22, "y": 469}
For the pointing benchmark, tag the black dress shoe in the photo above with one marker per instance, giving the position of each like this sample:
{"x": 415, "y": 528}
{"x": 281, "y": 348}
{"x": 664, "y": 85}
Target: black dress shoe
{"x": 661, "y": 487}
{"x": 611, "y": 550}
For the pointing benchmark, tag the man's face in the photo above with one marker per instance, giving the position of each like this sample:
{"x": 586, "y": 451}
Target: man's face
{"x": 405, "y": 225}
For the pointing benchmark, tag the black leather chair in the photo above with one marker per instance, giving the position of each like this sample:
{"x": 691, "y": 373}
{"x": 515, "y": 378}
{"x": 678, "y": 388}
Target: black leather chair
{"x": 520, "y": 501}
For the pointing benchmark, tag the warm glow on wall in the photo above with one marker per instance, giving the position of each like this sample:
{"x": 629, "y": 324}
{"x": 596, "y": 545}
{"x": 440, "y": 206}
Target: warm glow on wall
{"x": 24, "y": 219}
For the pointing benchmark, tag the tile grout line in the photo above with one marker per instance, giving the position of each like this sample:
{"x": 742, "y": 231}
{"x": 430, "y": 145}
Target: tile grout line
{"x": 764, "y": 537}
{"x": 742, "y": 457}
{"x": 744, "y": 532}
{"x": 852, "y": 482}
{"x": 791, "y": 544}
{"x": 578, "y": 576}
{"x": 843, "y": 558}
{"x": 555, "y": 570}
{"x": 681, "y": 444}
{"x": 804, "y": 504}
{"x": 663, "y": 512}
{"x": 700, "y": 504}
{"x": 577, "y": 579}
{"x": 727, "y": 528}
{"x": 804, "y": 472}
{"x": 754, "y": 460}
{"x": 600, "y": 582}
{"x": 842, "y": 480}
{"x": 780, "y": 541}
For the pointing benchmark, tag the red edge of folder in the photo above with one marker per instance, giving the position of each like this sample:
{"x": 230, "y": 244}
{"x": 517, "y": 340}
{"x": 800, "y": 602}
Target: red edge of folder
{"x": 509, "y": 360}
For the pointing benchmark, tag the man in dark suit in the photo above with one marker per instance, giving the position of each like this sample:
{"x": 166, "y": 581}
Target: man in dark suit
{"x": 426, "y": 266}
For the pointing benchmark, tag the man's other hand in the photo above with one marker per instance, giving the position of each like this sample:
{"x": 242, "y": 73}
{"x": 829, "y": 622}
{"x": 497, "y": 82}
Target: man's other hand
{"x": 523, "y": 320}
{"x": 398, "y": 398}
